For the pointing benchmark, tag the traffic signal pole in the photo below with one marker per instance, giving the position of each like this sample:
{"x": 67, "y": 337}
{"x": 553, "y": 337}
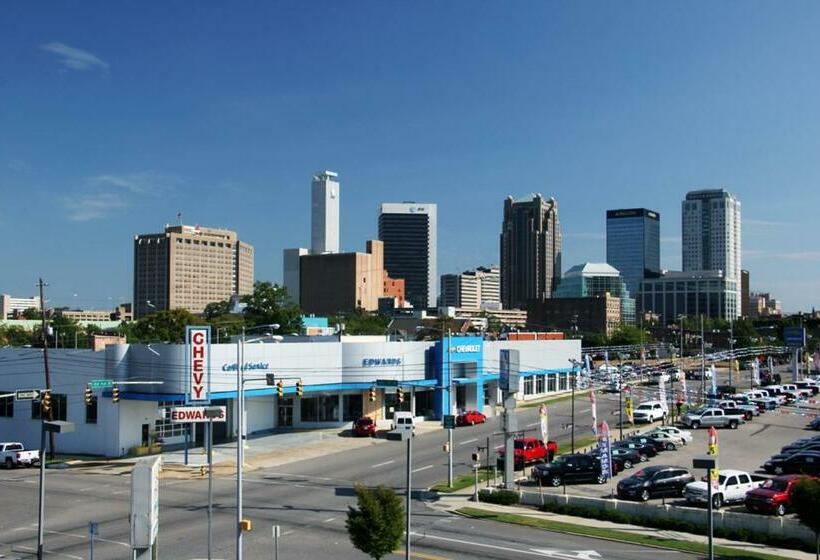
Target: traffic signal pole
{"x": 42, "y": 285}
{"x": 41, "y": 509}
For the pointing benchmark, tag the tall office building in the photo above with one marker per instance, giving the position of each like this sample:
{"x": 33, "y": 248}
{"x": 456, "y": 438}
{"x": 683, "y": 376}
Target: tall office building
{"x": 711, "y": 235}
{"x": 472, "y": 289}
{"x": 10, "y": 306}
{"x": 530, "y": 250}
{"x": 188, "y": 267}
{"x": 597, "y": 280}
{"x": 408, "y": 230}
{"x": 633, "y": 244}
{"x": 324, "y": 213}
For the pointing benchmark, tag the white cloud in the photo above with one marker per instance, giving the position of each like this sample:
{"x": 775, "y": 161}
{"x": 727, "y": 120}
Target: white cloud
{"x": 144, "y": 182}
{"x": 765, "y": 223}
{"x": 92, "y": 206}
{"x": 75, "y": 59}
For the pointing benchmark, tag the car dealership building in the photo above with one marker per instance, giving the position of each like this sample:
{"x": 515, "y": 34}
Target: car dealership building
{"x": 338, "y": 378}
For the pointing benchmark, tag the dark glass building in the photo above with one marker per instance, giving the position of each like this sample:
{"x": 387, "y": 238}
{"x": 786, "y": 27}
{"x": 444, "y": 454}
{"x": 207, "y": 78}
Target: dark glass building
{"x": 633, "y": 244}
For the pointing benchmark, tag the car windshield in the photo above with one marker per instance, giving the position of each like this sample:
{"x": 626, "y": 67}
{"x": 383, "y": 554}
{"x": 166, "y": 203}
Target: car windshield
{"x": 701, "y": 410}
{"x": 519, "y": 444}
{"x": 642, "y": 474}
{"x": 644, "y": 407}
{"x": 773, "y": 484}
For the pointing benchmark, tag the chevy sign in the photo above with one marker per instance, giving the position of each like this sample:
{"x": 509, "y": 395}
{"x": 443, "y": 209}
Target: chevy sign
{"x": 465, "y": 349}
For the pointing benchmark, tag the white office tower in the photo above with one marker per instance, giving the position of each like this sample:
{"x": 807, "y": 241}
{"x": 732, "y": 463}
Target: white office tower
{"x": 324, "y": 213}
{"x": 408, "y": 230}
{"x": 711, "y": 236}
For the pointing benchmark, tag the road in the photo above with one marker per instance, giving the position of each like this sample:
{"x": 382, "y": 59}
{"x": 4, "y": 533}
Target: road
{"x": 308, "y": 499}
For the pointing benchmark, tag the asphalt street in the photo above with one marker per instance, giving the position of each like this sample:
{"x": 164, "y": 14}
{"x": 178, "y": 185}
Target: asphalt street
{"x": 308, "y": 499}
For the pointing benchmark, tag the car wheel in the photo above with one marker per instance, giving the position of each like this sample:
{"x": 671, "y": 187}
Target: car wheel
{"x": 555, "y": 481}
{"x": 601, "y": 479}
{"x": 733, "y": 425}
{"x": 695, "y": 425}
{"x": 781, "y": 510}
{"x": 717, "y": 501}
{"x": 778, "y": 470}
{"x": 627, "y": 464}
{"x": 9, "y": 463}
{"x": 645, "y": 495}
{"x": 644, "y": 458}
{"x": 670, "y": 446}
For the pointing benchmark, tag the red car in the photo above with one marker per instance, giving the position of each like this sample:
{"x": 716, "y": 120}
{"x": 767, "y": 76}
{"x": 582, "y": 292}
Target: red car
{"x": 773, "y": 496}
{"x": 365, "y": 427}
{"x": 470, "y": 418}
{"x": 528, "y": 450}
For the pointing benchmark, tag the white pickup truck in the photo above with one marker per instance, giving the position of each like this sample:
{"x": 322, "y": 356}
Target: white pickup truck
{"x": 731, "y": 489}
{"x": 13, "y": 454}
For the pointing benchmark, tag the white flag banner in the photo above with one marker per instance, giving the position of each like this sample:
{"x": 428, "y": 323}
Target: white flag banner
{"x": 662, "y": 388}
{"x": 543, "y": 414}
{"x": 594, "y": 405}
{"x": 714, "y": 380}
{"x": 683, "y": 388}
{"x": 755, "y": 373}
{"x": 588, "y": 363}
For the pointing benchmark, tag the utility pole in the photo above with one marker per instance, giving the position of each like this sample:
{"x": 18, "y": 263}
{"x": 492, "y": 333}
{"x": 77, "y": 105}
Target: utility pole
{"x": 409, "y": 437}
{"x": 572, "y": 433}
{"x": 42, "y": 285}
{"x": 446, "y": 349}
{"x": 731, "y": 351}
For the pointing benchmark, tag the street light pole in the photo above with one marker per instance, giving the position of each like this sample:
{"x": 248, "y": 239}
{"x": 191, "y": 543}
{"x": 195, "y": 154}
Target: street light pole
{"x": 572, "y": 433}
{"x": 409, "y": 494}
{"x": 240, "y": 441}
{"x": 446, "y": 349}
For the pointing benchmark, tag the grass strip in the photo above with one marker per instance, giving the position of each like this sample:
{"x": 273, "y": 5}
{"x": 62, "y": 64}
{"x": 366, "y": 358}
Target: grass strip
{"x": 462, "y": 481}
{"x": 723, "y": 552}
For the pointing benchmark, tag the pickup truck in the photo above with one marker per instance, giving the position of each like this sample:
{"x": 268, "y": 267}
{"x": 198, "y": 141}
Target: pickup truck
{"x": 773, "y": 496}
{"x": 731, "y": 407}
{"x": 732, "y": 488}
{"x": 711, "y": 416}
{"x": 528, "y": 450}
{"x": 13, "y": 454}
{"x": 762, "y": 399}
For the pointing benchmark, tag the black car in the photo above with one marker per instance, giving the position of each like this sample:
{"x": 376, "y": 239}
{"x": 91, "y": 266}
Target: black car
{"x": 799, "y": 444}
{"x": 618, "y": 462}
{"x": 657, "y": 444}
{"x": 630, "y": 457}
{"x": 654, "y": 482}
{"x": 814, "y": 424}
{"x": 803, "y": 462}
{"x": 645, "y": 451}
{"x": 810, "y": 446}
{"x": 575, "y": 467}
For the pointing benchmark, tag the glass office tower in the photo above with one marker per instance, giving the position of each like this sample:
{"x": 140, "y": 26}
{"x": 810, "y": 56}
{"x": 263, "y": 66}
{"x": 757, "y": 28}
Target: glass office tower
{"x": 595, "y": 280}
{"x": 633, "y": 244}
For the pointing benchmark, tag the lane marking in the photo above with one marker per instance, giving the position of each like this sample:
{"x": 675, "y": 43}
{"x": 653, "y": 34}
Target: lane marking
{"x": 49, "y": 552}
{"x": 424, "y": 468}
{"x": 483, "y": 545}
{"x": 468, "y": 441}
{"x": 382, "y": 464}
{"x": 329, "y": 520}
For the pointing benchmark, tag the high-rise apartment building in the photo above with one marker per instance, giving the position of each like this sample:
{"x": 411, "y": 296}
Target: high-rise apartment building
{"x": 188, "y": 267}
{"x": 530, "y": 250}
{"x": 711, "y": 235}
{"x": 324, "y": 213}
{"x": 408, "y": 230}
{"x": 471, "y": 289}
{"x": 633, "y": 244}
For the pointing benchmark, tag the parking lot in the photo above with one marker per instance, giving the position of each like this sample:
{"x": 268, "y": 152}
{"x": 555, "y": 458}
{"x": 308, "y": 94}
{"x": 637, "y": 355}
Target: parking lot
{"x": 745, "y": 449}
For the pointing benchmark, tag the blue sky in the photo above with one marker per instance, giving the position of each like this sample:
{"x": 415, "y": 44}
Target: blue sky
{"x": 116, "y": 116}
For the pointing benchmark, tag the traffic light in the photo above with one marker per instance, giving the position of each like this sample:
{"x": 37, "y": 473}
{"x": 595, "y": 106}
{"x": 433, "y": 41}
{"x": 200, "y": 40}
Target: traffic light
{"x": 372, "y": 394}
{"x": 115, "y": 395}
{"x": 400, "y": 394}
{"x": 299, "y": 389}
{"x": 280, "y": 389}
{"x": 89, "y": 395}
{"x": 45, "y": 401}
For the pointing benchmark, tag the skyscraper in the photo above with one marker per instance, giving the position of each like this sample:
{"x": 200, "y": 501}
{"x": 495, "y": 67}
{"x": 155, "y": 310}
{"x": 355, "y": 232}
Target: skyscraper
{"x": 324, "y": 213}
{"x": 711, "y": 235}
{"x": 408, "y": 230}
{"x": 471, "y": 289}
{"x": 188, "y": 267}
{"x": 633, "y": 244}
{"x": 530, "y": 250}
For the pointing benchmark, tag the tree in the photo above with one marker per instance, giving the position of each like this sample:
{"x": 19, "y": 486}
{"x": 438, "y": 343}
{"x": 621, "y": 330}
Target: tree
{"x": 268, "y": 304}
{"x": 163, "y": 326}
{"x": 216, "y": 309}
{"x": 376, "y": 525}
{"x": 627, "y": 335}
{"x": 31, "y": 314}
{"x": 361, "y": 322}
{"x": 805, "y": 500}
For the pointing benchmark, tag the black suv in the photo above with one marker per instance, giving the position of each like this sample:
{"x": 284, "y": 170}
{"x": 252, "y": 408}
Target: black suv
{"x": 802, "y": 462}
{"x": 570, "y": 468}
{"x": 654, "y": 482}
{"x": 644, "y": 450}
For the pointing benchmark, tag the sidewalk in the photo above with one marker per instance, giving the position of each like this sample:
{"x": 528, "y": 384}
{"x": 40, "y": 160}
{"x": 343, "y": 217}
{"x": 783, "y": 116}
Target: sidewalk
{"x": 453, "y": 502}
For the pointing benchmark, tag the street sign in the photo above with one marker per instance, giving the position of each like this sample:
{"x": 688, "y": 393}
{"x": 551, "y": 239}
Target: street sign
{"x": 101, "y": 384}
{"x": 449, "y": 422}
{"x": 794, "y": 337}
{"x": 509, "y": 371}
{"x": 187, "y": 414}
{"x": 29, "y": 395}
{"x": 387, "y": 383}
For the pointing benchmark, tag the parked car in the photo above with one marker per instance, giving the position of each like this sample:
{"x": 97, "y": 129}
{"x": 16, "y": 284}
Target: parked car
{"x": 799, "y": 444}
{"x": 650, "y": 411}
{"x": 684, "y": 435}
{"x": 657, "y": 444}
{"x": 403, "y": 422}
{"x": 569, "y": 468}
{"x": 802, "y": 462}
{"x": 618, "y": 463}
{"x": 773, "y": 496}
{"x": 675, "y": 373}
{"x": 646, "y": 451}
{"x": 762, "y": 399}
{"x": 528, "y": 450}
{"x": 814, "y": 424}
{"x": 13, "y": 454}
{"x": 669, "y": 441}
{"x": 365, "y": 427}
{"x": 797, "y": 392}
{"x": 630, "y": 457}
{"x": 808, "y": 385}
{"x": 711, "y": 416}
{"x": 654, "y": 482}
{"x": 470, "y": 418}
{"x": 747, "y": 410}
{"x": 732, "y": 487}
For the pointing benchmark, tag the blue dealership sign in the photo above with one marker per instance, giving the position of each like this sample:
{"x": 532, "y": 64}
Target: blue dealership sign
{"x": 794, "y": 337}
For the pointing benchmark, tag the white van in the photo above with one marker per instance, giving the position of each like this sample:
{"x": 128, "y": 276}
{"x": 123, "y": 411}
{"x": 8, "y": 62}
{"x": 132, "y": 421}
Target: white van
{"x": 403, "y": 422}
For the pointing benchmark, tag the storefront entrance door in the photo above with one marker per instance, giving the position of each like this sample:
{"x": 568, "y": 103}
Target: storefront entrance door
{"x": 285, "y": 416}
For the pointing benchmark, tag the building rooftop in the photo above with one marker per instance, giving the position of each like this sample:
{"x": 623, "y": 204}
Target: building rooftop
{"x": 592, "y": 269}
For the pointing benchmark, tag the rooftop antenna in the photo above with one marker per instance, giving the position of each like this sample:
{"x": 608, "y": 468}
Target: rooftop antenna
{"x": 179, "y": 218}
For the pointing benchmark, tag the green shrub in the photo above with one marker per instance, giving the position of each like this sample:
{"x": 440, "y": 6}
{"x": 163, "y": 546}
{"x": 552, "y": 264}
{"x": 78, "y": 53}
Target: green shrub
{"x": 500, "y": 497}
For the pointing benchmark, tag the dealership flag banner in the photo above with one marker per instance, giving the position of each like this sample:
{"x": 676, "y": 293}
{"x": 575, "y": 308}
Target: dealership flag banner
{"x": 606, "y": 451}
{"x": 712, "y": 449}
{"x": 755, "y": 373}
{"x": 714, "y": 380}
{"x": 628, "y": 405}
{"x": 816, "y": 361}
{"x": 662, "y": 389}
{"x": 543, "y": 415}
{"x": 588, "y": 363}
{"x": 683, "y": 388}
{"x": 594, "y": 405}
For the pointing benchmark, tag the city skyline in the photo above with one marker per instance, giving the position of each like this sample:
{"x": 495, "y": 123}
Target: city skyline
{"x": 132, "y": 142}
